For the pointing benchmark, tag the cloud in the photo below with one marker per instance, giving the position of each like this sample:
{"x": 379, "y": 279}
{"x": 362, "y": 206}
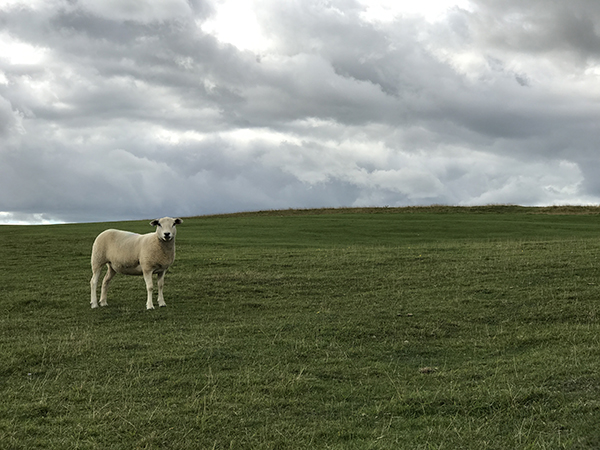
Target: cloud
{"x": 131, "y": 10}
{"x": 123, "y": 110}
{"x": 539, "y": 27}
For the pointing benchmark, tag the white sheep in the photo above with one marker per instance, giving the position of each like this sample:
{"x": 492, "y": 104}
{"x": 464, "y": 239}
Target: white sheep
{"x": 134, "y": 254}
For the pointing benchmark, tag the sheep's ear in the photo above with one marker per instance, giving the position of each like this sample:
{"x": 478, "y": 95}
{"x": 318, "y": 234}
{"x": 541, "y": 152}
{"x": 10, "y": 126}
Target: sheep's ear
{"x": 178, "y": 221}
{"x": 154, "y": 223}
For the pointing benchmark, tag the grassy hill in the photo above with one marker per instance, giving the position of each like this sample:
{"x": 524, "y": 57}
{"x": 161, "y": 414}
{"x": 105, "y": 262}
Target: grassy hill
{"x": 410, "y": 328}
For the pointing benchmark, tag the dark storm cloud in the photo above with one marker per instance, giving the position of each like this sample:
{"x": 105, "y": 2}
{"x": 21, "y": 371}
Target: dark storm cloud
{"x": 131, "y": 109}
{"x": 540, "y": 26}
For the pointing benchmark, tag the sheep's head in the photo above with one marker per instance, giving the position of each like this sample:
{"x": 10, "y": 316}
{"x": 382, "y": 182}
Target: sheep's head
{"x": 165, "y": 228}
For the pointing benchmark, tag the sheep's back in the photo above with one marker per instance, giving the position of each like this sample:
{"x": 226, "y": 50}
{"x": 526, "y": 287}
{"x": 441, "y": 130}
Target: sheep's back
{"x": 117, "y": 245}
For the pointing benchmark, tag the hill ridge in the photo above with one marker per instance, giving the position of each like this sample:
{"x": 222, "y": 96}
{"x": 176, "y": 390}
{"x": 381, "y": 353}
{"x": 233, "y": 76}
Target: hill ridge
{"x": 449, "y": 209}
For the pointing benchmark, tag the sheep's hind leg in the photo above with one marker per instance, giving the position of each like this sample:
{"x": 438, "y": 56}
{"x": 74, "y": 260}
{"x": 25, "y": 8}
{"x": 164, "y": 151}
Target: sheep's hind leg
{"x": 161, "y": 283}
{"x": 110, "y": 273}
{"x": 149, "y": 287}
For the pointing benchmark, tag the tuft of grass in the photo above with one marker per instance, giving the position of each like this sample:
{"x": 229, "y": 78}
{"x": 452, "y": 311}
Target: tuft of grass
{"x": 354, "y": 329}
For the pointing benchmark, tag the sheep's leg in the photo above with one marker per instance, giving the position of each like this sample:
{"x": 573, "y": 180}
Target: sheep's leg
{"x": 94, "y": 285}
{"x": 110, "y": 273}
{"x": 161, "y": 283}
{"x": 149, "y": 287}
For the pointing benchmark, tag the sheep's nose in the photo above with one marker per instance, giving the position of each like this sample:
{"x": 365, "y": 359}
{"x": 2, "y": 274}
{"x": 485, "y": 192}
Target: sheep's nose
{"x": 167, "y": 235}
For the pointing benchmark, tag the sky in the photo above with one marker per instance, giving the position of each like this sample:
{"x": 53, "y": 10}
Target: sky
{"x": 137, "y": 109}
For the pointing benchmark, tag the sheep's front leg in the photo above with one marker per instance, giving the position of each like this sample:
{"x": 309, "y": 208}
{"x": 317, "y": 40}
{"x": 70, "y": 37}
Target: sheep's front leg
{"x": 149, "y": 287}
{"x": 94, "y": 287}
{"x": 161, "y": 283}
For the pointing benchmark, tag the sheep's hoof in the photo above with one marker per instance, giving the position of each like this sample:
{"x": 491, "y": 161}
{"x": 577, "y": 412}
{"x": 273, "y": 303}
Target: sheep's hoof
{"x": 94, "y": 306}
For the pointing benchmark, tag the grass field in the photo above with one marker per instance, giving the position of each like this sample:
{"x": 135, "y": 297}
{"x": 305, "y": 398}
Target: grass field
{"x": 416, "y": 328}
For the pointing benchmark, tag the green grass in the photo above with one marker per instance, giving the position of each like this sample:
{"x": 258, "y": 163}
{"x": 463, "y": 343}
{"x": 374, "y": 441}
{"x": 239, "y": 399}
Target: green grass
{"x": 416, "y": 328}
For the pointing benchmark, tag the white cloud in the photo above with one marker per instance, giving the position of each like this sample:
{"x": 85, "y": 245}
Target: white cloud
{"x": 430, "y": 10}
{"x": 10, "y": 218}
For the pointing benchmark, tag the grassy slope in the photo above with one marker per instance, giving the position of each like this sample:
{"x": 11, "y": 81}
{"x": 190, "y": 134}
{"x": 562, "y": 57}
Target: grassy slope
{"x": 416, "y": 328}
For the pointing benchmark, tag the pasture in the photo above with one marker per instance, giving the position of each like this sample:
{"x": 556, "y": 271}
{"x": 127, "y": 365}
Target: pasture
{"x": 414, "y": 328}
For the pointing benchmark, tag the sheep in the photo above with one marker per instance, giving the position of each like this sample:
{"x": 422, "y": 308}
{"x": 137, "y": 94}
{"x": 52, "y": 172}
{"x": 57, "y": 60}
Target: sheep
{"x": 134, "y": 254}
